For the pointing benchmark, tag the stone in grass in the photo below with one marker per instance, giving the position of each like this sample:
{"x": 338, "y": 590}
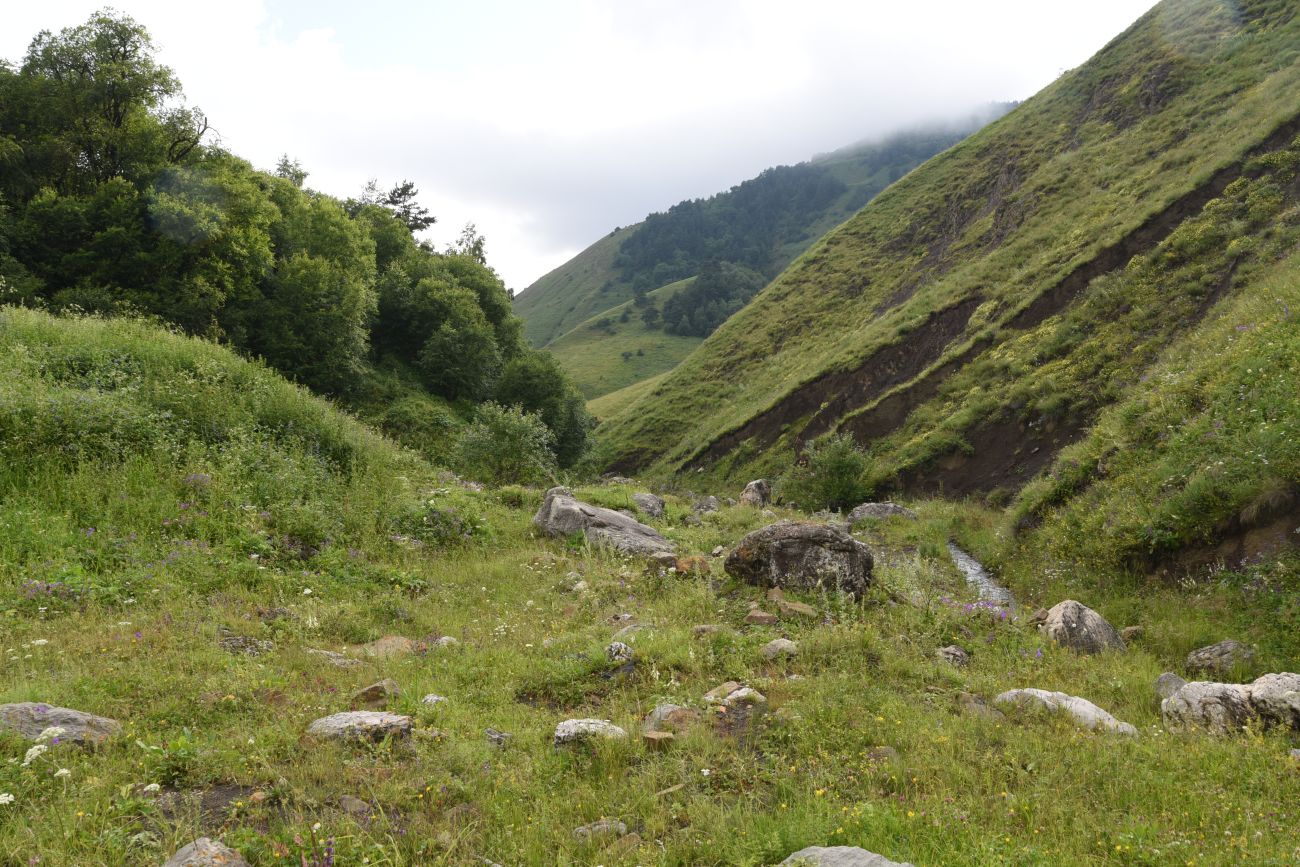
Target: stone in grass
{"x": 790, "y": 609}
{"x": 757, "y": 494}
{"x": 433, "y": 699}
{"x": 600, "y": 830}
{"x": 242, "y": 645}
{"x": 718, "y": 693}
{"x": 1220, "y": 658}
{"x": 562, "y": 515}
{"x": 657, "y": 740}
{"x": 337, "y": 660}
{"x": 1083, "y": 711}
{"x": 744, "y": 697}
{"x": 578, "y": 731}
{"x": 1168, "y": 683}
{"x": 1221, "y": 708}
{"x": 389, "y": 646}
{"x": 1295, "y": 754}
{"x": 376, "y": 695}
{"x": 839, "y": 856}
{"x": 1132, "y": 633}
{"x": 354, "y": 807}
{"x": 361, "y": 725}
{"x": 702, "y": 629}
{"x": 649, "y": 505}
{"x": 973, "y": 705}
{"x": 205, "y": 852}
{"x": 617, "y": 651}
{"x": 497, "y": 738}
{"x": 1076, "y": 626}
{"x": 30, "y": 719}
{"x": 954, "y": 655}
{"x": 801, "y": 556}
{"x": 671, "y": 718}
{"x": 780, "y": 648}
{"x": 758, "y": 617}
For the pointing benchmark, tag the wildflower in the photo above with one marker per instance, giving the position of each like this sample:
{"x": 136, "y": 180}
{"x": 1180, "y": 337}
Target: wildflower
{"x": 6, "y": 798}
{"x": 705, "y": 771}
{"x": 62, "y": 773}
{"x": 306, "y": 591}
{"x": 52, "y": 734}
{"x": 40, "y": 642}
{"x": 152, "y": 789}
{"x": 34, "y": 753}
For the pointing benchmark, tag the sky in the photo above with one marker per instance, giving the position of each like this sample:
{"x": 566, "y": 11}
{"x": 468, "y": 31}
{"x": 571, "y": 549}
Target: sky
{"x": 548, "y": 124}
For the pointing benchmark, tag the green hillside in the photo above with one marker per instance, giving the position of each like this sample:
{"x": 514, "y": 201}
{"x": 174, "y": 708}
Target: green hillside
{"x": 615, "y": 402}
{"x": 762, "y": 223}
{"x": 981, "y": 314}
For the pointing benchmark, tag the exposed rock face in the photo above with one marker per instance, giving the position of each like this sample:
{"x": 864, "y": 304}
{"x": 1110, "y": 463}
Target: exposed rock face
{"x": 649, "y": 504}
{"x": 360, "y": 725}
{"x": 954, "y": 655}
{"x": 575, "y": 731}
{"x": 30, "y": 718}
{"x": 1084, "y": 712}
{"x": 562, "y": 515}
{"x": 839, "y": 856}
{"x": 803, "y": 556}
{"x": 1076, "y": 626}
{"x": 757, "y": 494}
{"x": 877, "y": 511}
{"x": 1167, "y": 684}
{"x": 1220, "y": 658}
{"x": 205, "y": 852}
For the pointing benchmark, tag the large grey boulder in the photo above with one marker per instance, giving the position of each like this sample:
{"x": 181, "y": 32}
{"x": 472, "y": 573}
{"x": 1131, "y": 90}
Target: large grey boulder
{"x": 840, "y": 856}
{"x": 31, "y": 718}
{"x": 1276, "y": 699}
{"x": 649, "y": 504}
{"x": 360, "y": 725}
{"x": 879, "y": 511}
{"x": 1084, "y": 712}
{"x": 801, "y": 556}
{"x": 1076, "y": 626}
{"x": 562, "y": 515}
{"x": 757, "y": 494}
{"x": 1270, "y": 700}
{"x": 1220, "y": 658}
{"x": 205, "y": 852}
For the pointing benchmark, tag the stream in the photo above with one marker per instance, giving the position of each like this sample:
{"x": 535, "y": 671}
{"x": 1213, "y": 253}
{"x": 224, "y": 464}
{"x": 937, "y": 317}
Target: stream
{"x": 979, "y": 578}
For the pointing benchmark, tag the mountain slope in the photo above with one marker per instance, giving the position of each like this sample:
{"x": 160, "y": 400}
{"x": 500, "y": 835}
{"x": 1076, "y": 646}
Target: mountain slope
{"x": 976, "y": 317}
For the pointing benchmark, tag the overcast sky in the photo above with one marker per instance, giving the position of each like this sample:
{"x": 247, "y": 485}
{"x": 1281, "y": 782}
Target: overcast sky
{"x": 549, "y": 123}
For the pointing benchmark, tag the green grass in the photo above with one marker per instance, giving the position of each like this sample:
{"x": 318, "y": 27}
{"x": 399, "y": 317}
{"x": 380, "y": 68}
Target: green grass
{"x": 593, "y": 352}
{"x": 616, "y": 401}
{"x": 573, "y": 292}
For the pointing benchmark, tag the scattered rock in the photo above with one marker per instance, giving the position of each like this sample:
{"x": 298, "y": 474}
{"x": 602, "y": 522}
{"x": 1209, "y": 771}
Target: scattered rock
{"x": 1217, "y": 707}
{"x": 790, "y": 609}
{"x": 629, "y": 630}
{"x": 445, "y": 641}
{"x": 433, "y": 699}
{"x": 361, "y": 725}
{"x": 603, "y": 829}
{"x": 30, "y": 719}
{"x": 649, "y": 505}
{"x": 1168, "y": 683}
{"x": 388, "y": 647}
{"x": 1276, "y": 699}
{"x": 804, "y": 556}
{"x": 272, "y": 614}
{"x": 242, "y": 645}
{"x": 744, "y": 697}
{"x": 718, "y": 551}
{"x": 619, "y": 480}
{"x": 617, "y": 651}
{"x": 879, "y": 511}
{"x": 671, "y": 718}
{"x": 1222, "y": 658}
{"x": 664, "y": 559}
{"x": 757, "y": 494}
{"x": 376, "y": 695}
{"x": 354, "y": 807}
{"x": 1076, "y": 626}
{"x": 562, "y": 515}
{"x": 337, "y": 660}
{"x": 657, "y": 740}
{"x": 973, "y": 705}
{"x": 1084, "y": 712}
{"x": 718, "y": 693}
{"x": 1131, "y": 633}
{"x": 575, "y": 731}
{"x": 1038, "y": 618}
{"x": 839, "y": 856}
{"x": 692, "y": 520}
{"x": 496, "y": 737}
{"x": 701, "y": 629}
{"x": 780, "y": 647}
{"x": 954, "y": 654}
{"x": 707, "y": 504}
{"x": 758, "y": 617}
{"x": 205, "y": 852}
{"x": 768, "y": 513}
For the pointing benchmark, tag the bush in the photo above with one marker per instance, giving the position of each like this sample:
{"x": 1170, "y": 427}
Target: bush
{"x": 831, "y": 475}
{"x": 506, "y": 445}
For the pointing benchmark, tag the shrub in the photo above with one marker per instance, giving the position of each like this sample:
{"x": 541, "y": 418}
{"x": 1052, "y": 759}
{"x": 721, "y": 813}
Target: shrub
{"x": 506, "y": 445}
{"x": 830, "y": 476}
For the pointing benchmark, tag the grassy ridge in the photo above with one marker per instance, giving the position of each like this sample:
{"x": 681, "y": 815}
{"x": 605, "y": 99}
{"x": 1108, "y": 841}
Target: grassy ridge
{"x": 573, "y": 292}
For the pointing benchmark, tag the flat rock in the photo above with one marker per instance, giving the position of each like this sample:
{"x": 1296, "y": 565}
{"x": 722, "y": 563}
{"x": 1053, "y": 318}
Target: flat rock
{"x": 649, "y": 505}
{"x": 1076, "y": 626}
{"x": 602, "y": 829}
{"x": 758, "y": 617}
{"x": 657, "y": 740}
{"x": 1084, "y": 712}
{"x": 1220, "y": 658}
{"x": 802, "y": 556}
{"x": 757, "y": 494}
{"x": 790, "y": 610}
{"x": 1167, "y": 684}
{"x": 575, "y": 731}
{"x": 361, "y": 725}
{"x": 879, "y": 511}
{"x": 376, "y": 695}
{"x": 30, "y": 719}
{"x": 562, "y": 515}
{"x": 205, "y": 852}
{"x": 779, "y": 648}
{"x": 337, "y": 660}
{"x": 839, "y": 856}
{"x": 954, "y": 655}
{"x": 671, "y": 718}
{"x": 389, "y": 646}
{"x": 718, "y": 693}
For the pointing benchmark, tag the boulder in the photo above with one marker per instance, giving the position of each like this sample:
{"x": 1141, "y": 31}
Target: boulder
{"x": 562, "y": 515}
{"x": 1084, "y": 712}
{"x": 954, "y": 655}
{"x": 1221, "y": 658}
{"x": 780, "y": 647}
{"x": 879, "y": 511}
{"x": 576, "y": 731}
{"x": 1167, "y": 684}
{"x": 1275, "y": 698}
{"x": 30, "y": 719}
{"x": 1217, "y": 707}
{"x": 757, "y": 494}
{"x": 802, "y": 556}
{"x": 707, "y": 504}
{"x": 205, "y": 852}
{"x": 1076, "y": 626}
{"x": 839, "y": 856}
{"x": 649, "y": 505}
{"x": 361, "y": 725}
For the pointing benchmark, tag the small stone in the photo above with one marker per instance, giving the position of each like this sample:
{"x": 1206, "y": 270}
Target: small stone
{"x": 575, "y": 731}
{"x": 361, "y": 725}
{"x": 600, "y": 830}
{"x": 445, "y": 641}
{"x": 1221, "y": 658}
{"x": 1131, "y": 633}
{"x": 579, "y": 587}
{"x": 780, "y": 647}
{"x": 270, "y": 615}
{"x": 496, "y": 737}
{"x": 954, "y": 655}
{"x": 649, "y": 505}
{"x": 880, "y": 755}
{"x": 337, "y": 660}
{"x": 354, "y": 807}
{"x": 1295, "y": 754}
{"x": 241, "y": 645}
{"x": 744, "y": 697}
{"x": 839, "y": 856}
{"x": 376, "y": 695}
{"x": 206, "y": 852}
{"x": 718, "y": 693}
{"x": 670, "y": 718}
{"x": 433, "y": 699}
{"x": 30, "y": 719}
{"x": 1168, "y": 683}
{"x": 718, "y": 551}
{"x": 657, "y": 740}
{"x": 790, "y": 610}
{"x": 388, "y": 647}
{"x": 617, "y": 651}
{"x": 258, "y": 798}
{"x": 758, "y": 617}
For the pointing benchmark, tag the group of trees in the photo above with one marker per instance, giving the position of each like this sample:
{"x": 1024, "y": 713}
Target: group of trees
{"x": 720, "y": 290}
{"x": 112, "y": 200}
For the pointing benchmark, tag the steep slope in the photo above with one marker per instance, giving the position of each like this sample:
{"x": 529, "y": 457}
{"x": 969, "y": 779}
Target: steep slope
{"x": 764, "y": 223}
{"x": 976, "y": 317}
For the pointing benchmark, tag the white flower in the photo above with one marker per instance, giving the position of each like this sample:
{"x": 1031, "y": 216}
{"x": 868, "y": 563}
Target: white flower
{"x": 6, "y": 798}
{"x": 316, "y": 827}
{"x": 62, "y": 773}
{"x": 152, "y": 789}
{"x": 50, "y": 734}
{"x": 34, "y": 753}
{"x": 705, "y": 771}
{"x": 40, "y": 642}
{"x": 306, "y": 591}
